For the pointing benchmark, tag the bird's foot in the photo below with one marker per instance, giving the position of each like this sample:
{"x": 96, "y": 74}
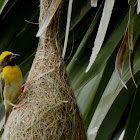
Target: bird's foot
{"x": 24, "y": 85}
{"x": 16, "y": 106}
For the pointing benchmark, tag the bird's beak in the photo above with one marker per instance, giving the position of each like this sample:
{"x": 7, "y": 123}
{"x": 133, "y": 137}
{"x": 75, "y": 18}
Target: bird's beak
{"x": 15, "y": 55}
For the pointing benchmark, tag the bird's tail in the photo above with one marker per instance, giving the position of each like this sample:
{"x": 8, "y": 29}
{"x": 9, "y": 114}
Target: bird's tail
{"x": 6, "y": 115}
{"x": 8, "y": 109}
{"x": 2, "y": 129}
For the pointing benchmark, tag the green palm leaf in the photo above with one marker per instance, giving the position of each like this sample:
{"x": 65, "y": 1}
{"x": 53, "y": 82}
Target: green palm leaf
{"x": 103, "y": 101}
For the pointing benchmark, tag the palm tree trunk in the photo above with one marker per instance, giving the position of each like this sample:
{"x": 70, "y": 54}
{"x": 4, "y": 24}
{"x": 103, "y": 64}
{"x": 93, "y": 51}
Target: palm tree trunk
{"x": 50, "y": 111}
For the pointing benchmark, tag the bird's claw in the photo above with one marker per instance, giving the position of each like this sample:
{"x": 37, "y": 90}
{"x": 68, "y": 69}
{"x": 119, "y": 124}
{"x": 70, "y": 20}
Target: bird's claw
{"x": 24, "y": 85}
{"x": 16, "y": 106}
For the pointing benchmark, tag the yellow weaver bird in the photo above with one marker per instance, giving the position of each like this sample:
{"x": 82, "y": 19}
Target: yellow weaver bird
{"x": 10, "y": 81}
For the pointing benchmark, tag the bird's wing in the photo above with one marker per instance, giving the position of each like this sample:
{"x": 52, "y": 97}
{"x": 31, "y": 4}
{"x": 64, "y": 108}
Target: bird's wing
{"x": 2, "y": 83}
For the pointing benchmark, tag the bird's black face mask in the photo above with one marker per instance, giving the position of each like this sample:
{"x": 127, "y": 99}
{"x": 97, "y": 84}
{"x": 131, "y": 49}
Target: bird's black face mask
{"x": 9, "y": 60}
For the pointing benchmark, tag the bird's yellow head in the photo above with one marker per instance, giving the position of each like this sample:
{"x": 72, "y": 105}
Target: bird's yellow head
{"x": 7, "y": 58}
{"x": 4, "y": 54}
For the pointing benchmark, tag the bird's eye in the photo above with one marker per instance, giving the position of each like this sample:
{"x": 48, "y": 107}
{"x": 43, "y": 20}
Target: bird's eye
{"x": 7, "y": 57}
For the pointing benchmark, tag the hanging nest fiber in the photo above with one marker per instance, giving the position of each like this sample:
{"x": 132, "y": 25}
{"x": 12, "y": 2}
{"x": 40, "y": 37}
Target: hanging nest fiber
{"x": 50, "y": 111}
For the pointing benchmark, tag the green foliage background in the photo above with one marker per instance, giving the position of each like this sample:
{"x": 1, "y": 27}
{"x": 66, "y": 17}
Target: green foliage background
{"x": 106, "y": 107}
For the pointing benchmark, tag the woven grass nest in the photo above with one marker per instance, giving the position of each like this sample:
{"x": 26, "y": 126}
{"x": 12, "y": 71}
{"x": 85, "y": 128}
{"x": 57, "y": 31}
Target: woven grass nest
{"x": 50, "y": 111}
